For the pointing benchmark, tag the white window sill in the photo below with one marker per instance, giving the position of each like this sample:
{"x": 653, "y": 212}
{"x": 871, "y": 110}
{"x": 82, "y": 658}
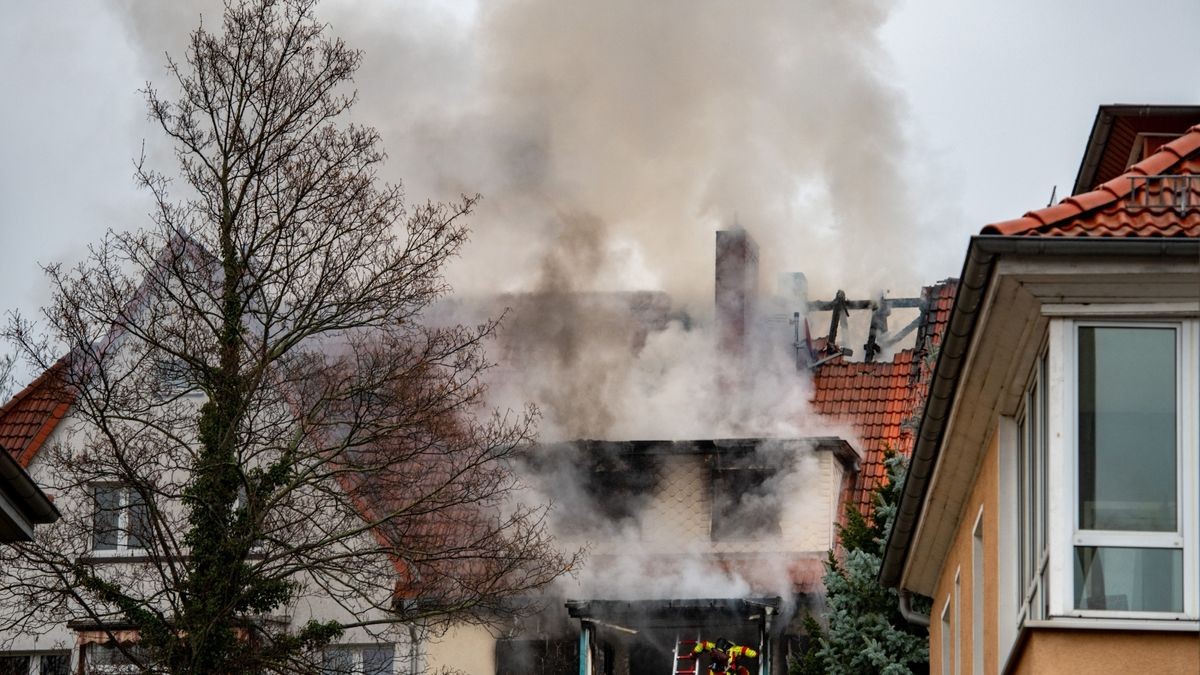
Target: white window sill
{"x": 116, "y": 555}
{"x": 1074, "y": 623}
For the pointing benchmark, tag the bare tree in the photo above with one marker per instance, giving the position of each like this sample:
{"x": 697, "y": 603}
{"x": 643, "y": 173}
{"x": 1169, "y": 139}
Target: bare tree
{"x": 8, "y": 364}
{"x": 258, "y": 412}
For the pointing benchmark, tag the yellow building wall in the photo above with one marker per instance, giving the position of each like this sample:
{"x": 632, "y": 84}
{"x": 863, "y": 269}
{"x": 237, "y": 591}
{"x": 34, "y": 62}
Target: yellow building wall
{"x": 1039, "y": 650}
{"x": 1096, "y": 652}
{"x": 983, "y": 493}
{"x": 470, "y": 650}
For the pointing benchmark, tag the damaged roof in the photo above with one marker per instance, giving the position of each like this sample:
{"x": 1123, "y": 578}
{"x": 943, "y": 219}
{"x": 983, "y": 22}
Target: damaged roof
{"x": 882, "y": 401}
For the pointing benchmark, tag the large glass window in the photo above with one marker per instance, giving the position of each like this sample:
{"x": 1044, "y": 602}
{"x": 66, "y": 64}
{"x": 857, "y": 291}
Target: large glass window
{"x": 1104, "y": 467}
{"x": 1128, "y": 548}
{"x": 1127, "y": 429}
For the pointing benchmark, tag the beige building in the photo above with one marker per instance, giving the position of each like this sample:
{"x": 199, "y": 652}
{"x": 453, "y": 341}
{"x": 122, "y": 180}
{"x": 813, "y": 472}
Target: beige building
{"x": 1052, "y": 511}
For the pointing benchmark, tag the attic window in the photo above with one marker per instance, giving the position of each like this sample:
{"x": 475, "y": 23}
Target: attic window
{"x": 1146, "y": 144}
{"x": 615, "y": 490}
{"x": 744, "y": 505}
{"x": 1162, "y": 192}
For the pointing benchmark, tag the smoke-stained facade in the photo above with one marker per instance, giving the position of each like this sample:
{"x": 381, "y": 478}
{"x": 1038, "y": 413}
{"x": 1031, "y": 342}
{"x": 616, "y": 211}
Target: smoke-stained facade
{"x": 705, "y": 475}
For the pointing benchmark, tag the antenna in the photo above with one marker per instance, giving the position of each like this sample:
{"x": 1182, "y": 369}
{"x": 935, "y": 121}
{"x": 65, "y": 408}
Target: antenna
{"x": 1053, "y": 194}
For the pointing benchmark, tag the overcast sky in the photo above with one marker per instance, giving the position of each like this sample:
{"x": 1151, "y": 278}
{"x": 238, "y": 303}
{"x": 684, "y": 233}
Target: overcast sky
{"x": 995, "y": 101}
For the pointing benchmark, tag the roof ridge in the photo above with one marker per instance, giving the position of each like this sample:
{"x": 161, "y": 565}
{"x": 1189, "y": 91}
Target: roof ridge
{"x": 1166, "y": 157}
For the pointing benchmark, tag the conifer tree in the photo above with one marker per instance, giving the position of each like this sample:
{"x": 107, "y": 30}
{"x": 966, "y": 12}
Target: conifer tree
{"x": 866, "y": 632}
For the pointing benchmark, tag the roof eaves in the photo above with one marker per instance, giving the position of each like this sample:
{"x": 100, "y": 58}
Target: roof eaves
{"x": 40, "y": 509}
{"x": 1097, "y": 140}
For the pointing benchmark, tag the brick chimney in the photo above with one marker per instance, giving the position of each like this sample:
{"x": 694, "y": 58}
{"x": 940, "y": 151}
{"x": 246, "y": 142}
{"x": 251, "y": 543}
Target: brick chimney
{"x": 736, "y": 289}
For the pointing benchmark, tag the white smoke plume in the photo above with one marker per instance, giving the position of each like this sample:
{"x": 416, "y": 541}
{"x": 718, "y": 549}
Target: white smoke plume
{"x": 609, "y": 140}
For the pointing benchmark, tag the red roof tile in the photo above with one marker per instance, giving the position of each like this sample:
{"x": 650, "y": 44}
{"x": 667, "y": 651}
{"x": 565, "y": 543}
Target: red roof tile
{"x": 882, "y": 401}
{"x": 1128, "y": 205}
{"x": 27, "y": 420}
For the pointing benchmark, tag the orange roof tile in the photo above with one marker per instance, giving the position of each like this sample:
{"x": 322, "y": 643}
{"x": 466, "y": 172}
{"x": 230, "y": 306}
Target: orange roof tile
{"x": 882, "y": 401}
{"x": 1128, "y": 205}
{"x": 27, "y": 420}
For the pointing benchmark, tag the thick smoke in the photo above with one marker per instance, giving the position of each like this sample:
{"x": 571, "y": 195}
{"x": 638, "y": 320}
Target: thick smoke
{"x": 610, "y": 140}
{"x": 660, "y": 121}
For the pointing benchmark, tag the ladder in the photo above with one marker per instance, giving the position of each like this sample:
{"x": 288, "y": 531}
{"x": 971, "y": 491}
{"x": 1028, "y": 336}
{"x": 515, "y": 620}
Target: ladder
{"x": 686, "y": 662}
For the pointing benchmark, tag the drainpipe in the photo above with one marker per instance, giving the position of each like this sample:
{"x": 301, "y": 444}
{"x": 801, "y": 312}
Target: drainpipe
{"x": 585, "y": 649}
{"x": 764, "y": 643}
{"x": 910, "y": 615}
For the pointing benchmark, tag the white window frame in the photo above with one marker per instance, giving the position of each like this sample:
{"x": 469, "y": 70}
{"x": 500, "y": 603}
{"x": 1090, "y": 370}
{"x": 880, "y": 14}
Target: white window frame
{"x": 1032, "y": 438}
{"x": 35, "y": 659}
{"x": 958, "y": 621}
{"x": 1063, "y": 470}
{"x": 408, "y": 655}
{"x": 124, "y": 514}
{"x": 978, "y": 554}
{"x": 947, "y": 646}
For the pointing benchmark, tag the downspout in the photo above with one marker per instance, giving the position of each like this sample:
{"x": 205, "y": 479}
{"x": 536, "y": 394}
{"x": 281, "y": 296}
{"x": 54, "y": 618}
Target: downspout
{"x": 910, "y": 615}
{"x": 764, "y": 642}
{"x": 585, "y": 648}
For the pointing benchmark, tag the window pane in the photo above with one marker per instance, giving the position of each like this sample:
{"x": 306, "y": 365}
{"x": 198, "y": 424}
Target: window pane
{"x": 1129, "y": 579}
{"x": 139, "y": 521}
{"x": 377, "y": 660}
{"x": 1023, "y": 499}
{"x": 743, "y": 505}
{"x": 1042, "y": 460}
{"x": 111, "y": 660}
{"x": 14, "y": 665}
{"x": 1127, "y": 445}
{"x": 54, "y": 664}
{"x": 104, "y": 521}
{"x": 337, "y": 661}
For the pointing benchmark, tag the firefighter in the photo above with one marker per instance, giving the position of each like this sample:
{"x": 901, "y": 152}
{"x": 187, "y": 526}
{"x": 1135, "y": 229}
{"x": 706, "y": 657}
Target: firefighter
{"x": 724, "y": 655}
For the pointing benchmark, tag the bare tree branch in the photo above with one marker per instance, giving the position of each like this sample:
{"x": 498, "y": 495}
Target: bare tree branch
{"x": 252, "y": 376}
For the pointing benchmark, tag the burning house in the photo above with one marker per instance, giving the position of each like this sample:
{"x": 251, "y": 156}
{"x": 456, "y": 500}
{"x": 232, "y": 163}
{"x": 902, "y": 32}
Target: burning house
{"x": 701, "y": 465}
{"x": 705, "y": 487}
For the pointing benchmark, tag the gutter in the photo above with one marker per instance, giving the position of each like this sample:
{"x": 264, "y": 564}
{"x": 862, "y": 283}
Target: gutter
{"x": 975, "y": 279}
{"x": 910, "y": 615}
{"x": 33, "y": 503}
